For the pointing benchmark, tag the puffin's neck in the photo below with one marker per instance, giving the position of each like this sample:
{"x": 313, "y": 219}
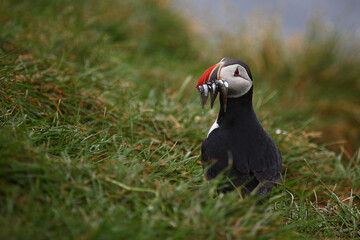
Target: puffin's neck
{"x": 237, "y": 108}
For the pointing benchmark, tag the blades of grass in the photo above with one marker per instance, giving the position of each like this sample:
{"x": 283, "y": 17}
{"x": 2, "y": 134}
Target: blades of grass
{"x": 182, "y": 88}
{"x": 133, "y": 189}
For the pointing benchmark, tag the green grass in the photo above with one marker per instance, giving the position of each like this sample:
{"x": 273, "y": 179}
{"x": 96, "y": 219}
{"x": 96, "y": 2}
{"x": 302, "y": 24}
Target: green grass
{"x": 100, "y": 135}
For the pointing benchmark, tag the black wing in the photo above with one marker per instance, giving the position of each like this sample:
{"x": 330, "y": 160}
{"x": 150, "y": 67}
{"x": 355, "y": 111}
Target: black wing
{"x": 218, "y": 152}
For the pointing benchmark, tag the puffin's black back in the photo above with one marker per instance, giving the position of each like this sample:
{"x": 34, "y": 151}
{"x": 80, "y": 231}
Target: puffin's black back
{"x": 241, "y": 145}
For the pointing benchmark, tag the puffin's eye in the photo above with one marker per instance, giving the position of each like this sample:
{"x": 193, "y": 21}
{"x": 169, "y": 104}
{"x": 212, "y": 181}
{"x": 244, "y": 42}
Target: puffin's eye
{"x": 236, "y": 73}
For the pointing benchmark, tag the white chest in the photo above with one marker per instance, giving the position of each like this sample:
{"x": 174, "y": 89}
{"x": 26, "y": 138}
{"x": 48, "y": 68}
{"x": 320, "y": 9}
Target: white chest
{"x": 213, "y": 127}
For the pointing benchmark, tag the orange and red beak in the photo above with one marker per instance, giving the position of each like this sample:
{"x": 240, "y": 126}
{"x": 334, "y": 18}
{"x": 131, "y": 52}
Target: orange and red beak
{"x": 212, "y": 71}
{"x": 210, "y": 82}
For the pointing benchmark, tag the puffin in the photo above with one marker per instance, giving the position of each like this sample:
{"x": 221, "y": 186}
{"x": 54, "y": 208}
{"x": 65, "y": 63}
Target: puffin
{"x": 237, "y": 147}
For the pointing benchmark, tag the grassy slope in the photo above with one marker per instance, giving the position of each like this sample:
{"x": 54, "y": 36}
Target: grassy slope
{"x": 98, "y": 142}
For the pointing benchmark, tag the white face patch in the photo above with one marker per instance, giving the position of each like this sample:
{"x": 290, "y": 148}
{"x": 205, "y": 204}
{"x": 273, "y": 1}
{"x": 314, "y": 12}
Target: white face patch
{"x": 239, "y": 84}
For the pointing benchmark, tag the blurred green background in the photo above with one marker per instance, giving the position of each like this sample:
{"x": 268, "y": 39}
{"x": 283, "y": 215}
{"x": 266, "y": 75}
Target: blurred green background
{"x": 305, "y": 51}
{"x": 101, "y": 125}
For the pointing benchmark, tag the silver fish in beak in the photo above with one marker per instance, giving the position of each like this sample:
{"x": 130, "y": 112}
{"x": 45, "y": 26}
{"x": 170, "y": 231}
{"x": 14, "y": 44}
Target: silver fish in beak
{"x": 211, "y": 84}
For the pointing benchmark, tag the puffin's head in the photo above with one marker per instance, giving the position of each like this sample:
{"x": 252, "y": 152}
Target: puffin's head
{"x": 231, "y": 77}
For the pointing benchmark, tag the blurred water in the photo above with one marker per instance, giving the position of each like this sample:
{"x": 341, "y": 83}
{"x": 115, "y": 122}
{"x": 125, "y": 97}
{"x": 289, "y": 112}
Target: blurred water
{"x": 292, "y": 15}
